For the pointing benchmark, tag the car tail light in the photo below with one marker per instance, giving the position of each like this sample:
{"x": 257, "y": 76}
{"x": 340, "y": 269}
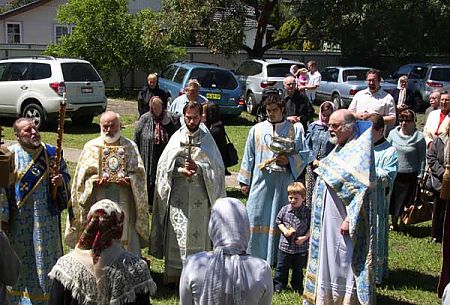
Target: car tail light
{"x": 434, "y": 84}
{"x": 59, "y": 88}
{"x": 267, "y": 84}
{"x": 353, "y": 91}
{"x": 240, "y": 101}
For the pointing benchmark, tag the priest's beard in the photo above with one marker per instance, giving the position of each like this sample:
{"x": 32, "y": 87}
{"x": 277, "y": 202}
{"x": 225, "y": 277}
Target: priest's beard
{"x": 333, "y": 139}
{"x": 110, "y": 138}
{"x": 192, "y": 128}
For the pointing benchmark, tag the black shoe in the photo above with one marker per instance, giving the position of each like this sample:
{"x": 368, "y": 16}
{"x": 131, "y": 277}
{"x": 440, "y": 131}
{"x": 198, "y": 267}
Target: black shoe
{"x": 227, "y": 173}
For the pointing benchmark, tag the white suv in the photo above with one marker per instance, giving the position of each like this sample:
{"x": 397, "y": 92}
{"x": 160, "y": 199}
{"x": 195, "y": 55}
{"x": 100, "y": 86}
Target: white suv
{"x": 257, "y": 74}
{"x": 33, "y": 86}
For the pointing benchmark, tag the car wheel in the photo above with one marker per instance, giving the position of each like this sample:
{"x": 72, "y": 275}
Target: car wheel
{"x": 36, "y": 113}
{"x": 250, "y": 102}
{"x": 337, "y": 101}
{"x": 260, "y": 114}
{"x": 82, "y": 119}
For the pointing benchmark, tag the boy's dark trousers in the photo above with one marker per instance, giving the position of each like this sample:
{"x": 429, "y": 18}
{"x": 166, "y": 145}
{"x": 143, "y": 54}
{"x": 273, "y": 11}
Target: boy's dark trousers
{"x": 286, "y": 261}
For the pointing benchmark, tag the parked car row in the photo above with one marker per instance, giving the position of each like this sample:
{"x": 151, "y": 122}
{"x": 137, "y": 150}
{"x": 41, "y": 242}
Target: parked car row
{"x": 33, "y": 86}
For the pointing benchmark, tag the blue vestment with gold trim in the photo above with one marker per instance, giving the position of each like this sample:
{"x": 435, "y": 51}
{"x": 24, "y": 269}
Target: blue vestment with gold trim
{"x": 34, "y": 230}
{"x": 348, "y": 172}
{"x": 268, "y": 190}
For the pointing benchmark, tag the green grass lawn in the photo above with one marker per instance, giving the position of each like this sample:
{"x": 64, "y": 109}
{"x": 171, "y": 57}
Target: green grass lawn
{"x": 414, "y": 263}
{"x": 414, "y": 266}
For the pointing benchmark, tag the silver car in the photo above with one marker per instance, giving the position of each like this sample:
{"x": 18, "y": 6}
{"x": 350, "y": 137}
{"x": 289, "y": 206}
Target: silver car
{"x": 340, "y": 84}
{"x": 423, "y": 78}
{"x": 33, "y": 87}
{"x": 257, "y": 74}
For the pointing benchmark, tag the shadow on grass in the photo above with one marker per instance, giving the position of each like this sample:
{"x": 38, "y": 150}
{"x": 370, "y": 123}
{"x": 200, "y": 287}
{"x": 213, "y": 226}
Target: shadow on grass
{"x": 7, "y": 122}
{"x": 163, "y": 291}
{"x": 386, "y": 300}
{"x": 418, "y": 231}
{"x": 242, "y": 120}
{"x": 401, "y": 278}
{"x": 235, "y": 193}
{"x": 71, "y": 128}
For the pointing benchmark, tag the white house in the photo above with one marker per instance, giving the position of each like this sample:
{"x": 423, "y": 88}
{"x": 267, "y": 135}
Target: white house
{"x": 35, "y": 23}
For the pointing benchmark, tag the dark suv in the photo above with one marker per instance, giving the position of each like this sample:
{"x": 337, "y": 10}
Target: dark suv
{"x": 423, "y": 78}
{"x": 218, "y": 85}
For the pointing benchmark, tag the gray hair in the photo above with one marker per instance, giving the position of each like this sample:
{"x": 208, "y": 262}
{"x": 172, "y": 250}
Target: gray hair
{"x": 349, "y": 122}
{"x": 18, "y": 121}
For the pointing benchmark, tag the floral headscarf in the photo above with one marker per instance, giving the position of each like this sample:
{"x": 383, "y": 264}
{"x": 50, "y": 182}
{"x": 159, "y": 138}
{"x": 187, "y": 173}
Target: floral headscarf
{"x": 104, "y": 224}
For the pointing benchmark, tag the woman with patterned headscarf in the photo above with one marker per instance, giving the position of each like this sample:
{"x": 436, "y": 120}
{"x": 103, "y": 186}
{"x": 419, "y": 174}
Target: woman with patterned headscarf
{"x": 226, "y": 276}
{"x": 99, "y": 271}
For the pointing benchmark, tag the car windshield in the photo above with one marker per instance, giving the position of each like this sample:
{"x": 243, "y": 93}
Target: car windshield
{"x": 352, "y": 75}
{"x": 440, "y": 74}
{"x": 79, "y": 72}
{"x": 278, "y": 70}
{"x": 212, "y": 78}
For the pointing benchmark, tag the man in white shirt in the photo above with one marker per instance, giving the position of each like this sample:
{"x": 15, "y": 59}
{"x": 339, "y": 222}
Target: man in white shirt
{"x": 374, "y": 100}
{"x": 314, "y": 79}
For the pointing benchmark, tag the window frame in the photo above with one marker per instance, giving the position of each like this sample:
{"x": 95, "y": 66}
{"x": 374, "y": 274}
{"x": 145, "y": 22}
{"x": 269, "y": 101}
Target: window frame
{"x": 20, "y": 31}
{"x": 57, "y": 25}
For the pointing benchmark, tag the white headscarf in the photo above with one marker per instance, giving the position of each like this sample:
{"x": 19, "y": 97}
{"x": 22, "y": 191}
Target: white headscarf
{"x": 229, "y": 229}
{"x": 402, "y": 92}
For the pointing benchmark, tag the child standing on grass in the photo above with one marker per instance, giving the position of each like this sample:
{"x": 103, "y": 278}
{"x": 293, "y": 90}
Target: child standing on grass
{"x": 293, "y": 220}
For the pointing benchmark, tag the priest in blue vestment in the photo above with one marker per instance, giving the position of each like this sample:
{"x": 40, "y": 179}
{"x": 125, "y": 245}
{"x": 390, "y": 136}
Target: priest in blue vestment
{"x": 31, "y": 216}
{"x": 342, "y": 239}
{"x": 265, "y": 175}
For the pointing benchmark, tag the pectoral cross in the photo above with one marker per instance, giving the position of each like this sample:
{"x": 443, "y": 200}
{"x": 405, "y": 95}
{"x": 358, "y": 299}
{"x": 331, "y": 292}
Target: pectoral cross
{"x": 189, "y": 144}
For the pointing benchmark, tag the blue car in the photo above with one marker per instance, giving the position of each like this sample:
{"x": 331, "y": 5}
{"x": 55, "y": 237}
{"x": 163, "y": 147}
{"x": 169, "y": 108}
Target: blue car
{"x": 218, "y": 85}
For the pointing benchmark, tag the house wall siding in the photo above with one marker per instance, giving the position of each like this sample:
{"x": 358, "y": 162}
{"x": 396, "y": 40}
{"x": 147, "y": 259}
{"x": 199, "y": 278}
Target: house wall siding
{"x": 37, "y": 24}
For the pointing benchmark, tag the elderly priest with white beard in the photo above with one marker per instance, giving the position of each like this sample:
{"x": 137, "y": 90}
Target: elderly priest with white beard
{"x": 110, "y": 167}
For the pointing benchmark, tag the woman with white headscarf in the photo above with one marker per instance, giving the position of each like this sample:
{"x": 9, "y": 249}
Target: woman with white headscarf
{"x": 403, "y": 96}
{"x": 226, "y": 276}
{"x": 99, "y": 271}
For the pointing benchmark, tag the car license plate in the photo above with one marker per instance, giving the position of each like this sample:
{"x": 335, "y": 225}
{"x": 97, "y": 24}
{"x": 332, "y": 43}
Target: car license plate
{"x": 87, "y": 89}
{"x": 213, "y": 96}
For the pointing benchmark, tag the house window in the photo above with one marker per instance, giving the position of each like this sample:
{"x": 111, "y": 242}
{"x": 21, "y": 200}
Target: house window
{"x": 14, "y": 32}
{"x": 60, "y": 30}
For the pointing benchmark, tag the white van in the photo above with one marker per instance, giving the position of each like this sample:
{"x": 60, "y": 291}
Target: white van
{"x": 33, "y": 86}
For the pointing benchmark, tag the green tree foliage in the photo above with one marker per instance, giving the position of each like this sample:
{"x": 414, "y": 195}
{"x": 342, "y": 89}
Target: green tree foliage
{"x": 219, "y": 24}
{"x": 293, "y": 31}
{"x": 407, "y": 29}
{"x": 111, "y": 38}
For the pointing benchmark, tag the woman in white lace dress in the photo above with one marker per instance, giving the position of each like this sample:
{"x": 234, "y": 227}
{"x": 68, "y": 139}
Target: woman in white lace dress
{"x": 99, "y": 271}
